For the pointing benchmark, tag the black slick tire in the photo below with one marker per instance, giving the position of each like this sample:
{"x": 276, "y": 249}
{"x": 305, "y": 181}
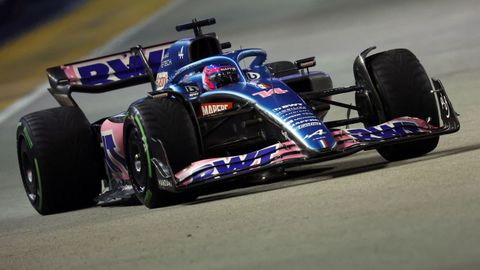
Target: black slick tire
{"x": 60, "y": 160}
{"x": 166, "y": 120}
{"x": 403, "y": 88}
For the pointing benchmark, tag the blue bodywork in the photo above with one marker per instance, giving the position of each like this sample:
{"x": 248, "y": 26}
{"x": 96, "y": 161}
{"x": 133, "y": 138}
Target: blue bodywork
{"x": 279, "y": 102}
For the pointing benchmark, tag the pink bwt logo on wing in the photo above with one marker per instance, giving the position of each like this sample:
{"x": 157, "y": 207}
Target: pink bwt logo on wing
{"x": 216, "y": 167}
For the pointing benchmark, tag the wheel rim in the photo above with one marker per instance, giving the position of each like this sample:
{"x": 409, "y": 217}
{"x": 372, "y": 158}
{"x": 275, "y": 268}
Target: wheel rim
{"x": 138, "y": 163}
{"x": 29, "y": 178}
{"x": 136, "y": 158}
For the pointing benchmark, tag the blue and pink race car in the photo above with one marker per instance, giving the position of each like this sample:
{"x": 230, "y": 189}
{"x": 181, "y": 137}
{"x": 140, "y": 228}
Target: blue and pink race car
{"x": 212, "y": 115}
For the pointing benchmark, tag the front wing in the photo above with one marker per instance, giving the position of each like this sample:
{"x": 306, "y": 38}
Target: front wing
{"x": 286, "y": 154}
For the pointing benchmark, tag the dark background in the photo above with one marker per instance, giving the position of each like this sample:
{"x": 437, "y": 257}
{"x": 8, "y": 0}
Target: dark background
{"x": 20, "y": 16}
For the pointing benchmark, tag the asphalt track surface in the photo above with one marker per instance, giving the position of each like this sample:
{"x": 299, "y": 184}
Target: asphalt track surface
{"x": 355, "y": 213}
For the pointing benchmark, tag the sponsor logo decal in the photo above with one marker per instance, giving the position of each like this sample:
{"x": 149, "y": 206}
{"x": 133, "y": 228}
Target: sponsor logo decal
{"x": 253, "y": 75}
{"x": 267, "y": 93}
{"x": 225, "y": 166}
{"x": 161, "y": 81}
{"x": 316, "y": 133}
{"x": 236, "y": 163}
{"x": 399, "y": 127}
{"x": 164, "y": 183}
{"x": 114, "y": 68}
{"x": 263, "y": 86}
{"x": 192, "y": 90}
{"x": 385, "y": 131}
{"x": 166, "y": 63}
{"x": 317, "y": 137}
{"x": 211, "y": 108}
{"x": 298, "y": 116}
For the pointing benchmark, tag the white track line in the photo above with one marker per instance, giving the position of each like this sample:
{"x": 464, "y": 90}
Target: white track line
{"x": 23, "y": 102}
{"x": 125, "y": 35}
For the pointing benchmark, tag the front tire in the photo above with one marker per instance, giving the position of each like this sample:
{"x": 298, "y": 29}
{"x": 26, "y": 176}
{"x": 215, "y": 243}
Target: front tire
{"x": 165, "y": 120}
{"x": 404, "y": 89}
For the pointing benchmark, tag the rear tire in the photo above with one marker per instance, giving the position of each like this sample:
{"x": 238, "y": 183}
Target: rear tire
{"x": 60, "y": 162}
{"x": 166, "y": 120}
{"x": 403, "y": 88}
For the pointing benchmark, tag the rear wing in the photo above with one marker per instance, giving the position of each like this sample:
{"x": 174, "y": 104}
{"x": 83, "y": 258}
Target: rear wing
{"x": 105, "y": 73}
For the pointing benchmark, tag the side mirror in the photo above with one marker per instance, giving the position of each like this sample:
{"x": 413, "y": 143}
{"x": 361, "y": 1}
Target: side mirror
{"x": 305, "y": 63}
{"x": 226, "y": 45}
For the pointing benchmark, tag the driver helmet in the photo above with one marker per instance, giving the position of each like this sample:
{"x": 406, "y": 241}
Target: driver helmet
{"x": 215, "y": 76}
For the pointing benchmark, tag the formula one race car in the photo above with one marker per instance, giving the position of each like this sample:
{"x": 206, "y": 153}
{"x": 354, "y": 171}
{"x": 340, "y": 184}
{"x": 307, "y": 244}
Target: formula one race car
{"x": 207, "y": 120}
